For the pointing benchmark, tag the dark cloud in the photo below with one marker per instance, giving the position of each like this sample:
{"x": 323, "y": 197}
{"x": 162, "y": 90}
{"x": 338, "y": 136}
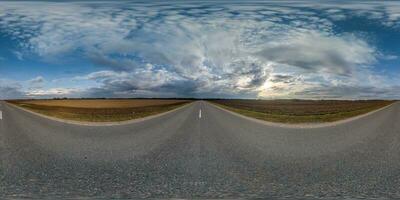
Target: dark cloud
{"x": 127, "y": 89}
{"x": 37, "y": 80}
{"x": 282, "y": 78}
{"x": 11, "y": 92}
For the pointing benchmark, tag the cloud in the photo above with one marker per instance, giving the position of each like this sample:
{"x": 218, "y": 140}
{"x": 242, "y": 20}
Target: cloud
{"x": 10, "y": 89}
{"x": 18, "y": 55}
{"x": 331, "y": 54}
{"x": 389, "y": 57}
{"x": 275, "y": 49}
{"x": 10, "y": 92}
{"x": 52, "y": 92}
{"x": 36, "y": 80}
{"x": 35, "y": 83}
{"x": 282, "y": 78}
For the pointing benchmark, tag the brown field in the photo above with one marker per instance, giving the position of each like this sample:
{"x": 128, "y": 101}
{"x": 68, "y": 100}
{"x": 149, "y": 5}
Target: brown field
{"x": 301, "y": 111}
{"x": 102, "y": 103}
{"x": 100, "y": 110}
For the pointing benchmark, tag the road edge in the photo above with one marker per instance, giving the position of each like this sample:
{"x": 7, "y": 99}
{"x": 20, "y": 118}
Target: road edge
{"x": 302, "y": 125}
{"x": 73, "y": 122}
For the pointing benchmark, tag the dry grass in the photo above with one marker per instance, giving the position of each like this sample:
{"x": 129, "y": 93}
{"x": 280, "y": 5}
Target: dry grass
{"x": 301, "y": 111}
{"x": 95, "y": 110}
{"x": 102, "y": 103}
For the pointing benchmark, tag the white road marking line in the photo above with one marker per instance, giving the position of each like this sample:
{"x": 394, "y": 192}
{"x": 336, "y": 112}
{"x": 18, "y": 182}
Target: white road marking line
{"x": 200, "y": 114}
{"x": 1, "y": 114}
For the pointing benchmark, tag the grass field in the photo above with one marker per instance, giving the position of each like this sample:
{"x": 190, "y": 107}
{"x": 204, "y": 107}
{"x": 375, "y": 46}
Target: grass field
{"x": 100, "y": 110}
{"x": 301, "y": 111}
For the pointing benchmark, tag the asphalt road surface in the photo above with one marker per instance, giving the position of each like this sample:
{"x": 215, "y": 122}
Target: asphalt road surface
{"x": 199, "y": 151}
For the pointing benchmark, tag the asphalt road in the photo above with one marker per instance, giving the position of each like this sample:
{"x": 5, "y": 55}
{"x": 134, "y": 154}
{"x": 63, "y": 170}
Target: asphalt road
{"x": 185, "y": 154}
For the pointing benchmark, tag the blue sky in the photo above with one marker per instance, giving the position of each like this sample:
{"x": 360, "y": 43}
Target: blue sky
{"x": 224, "y": 49}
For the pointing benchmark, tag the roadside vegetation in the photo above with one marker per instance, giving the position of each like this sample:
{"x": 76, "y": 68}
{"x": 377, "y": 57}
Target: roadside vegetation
{"x": 100, "y": 110}
{"x": 301, "y": 111}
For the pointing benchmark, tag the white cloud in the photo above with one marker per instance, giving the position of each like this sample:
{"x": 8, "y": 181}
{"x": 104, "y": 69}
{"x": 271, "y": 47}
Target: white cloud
{"x": 52, "y": 92}
{"x": 389, "y": 57}
{"x": 315, "y": 52}
{"x": 18, "y": 55}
